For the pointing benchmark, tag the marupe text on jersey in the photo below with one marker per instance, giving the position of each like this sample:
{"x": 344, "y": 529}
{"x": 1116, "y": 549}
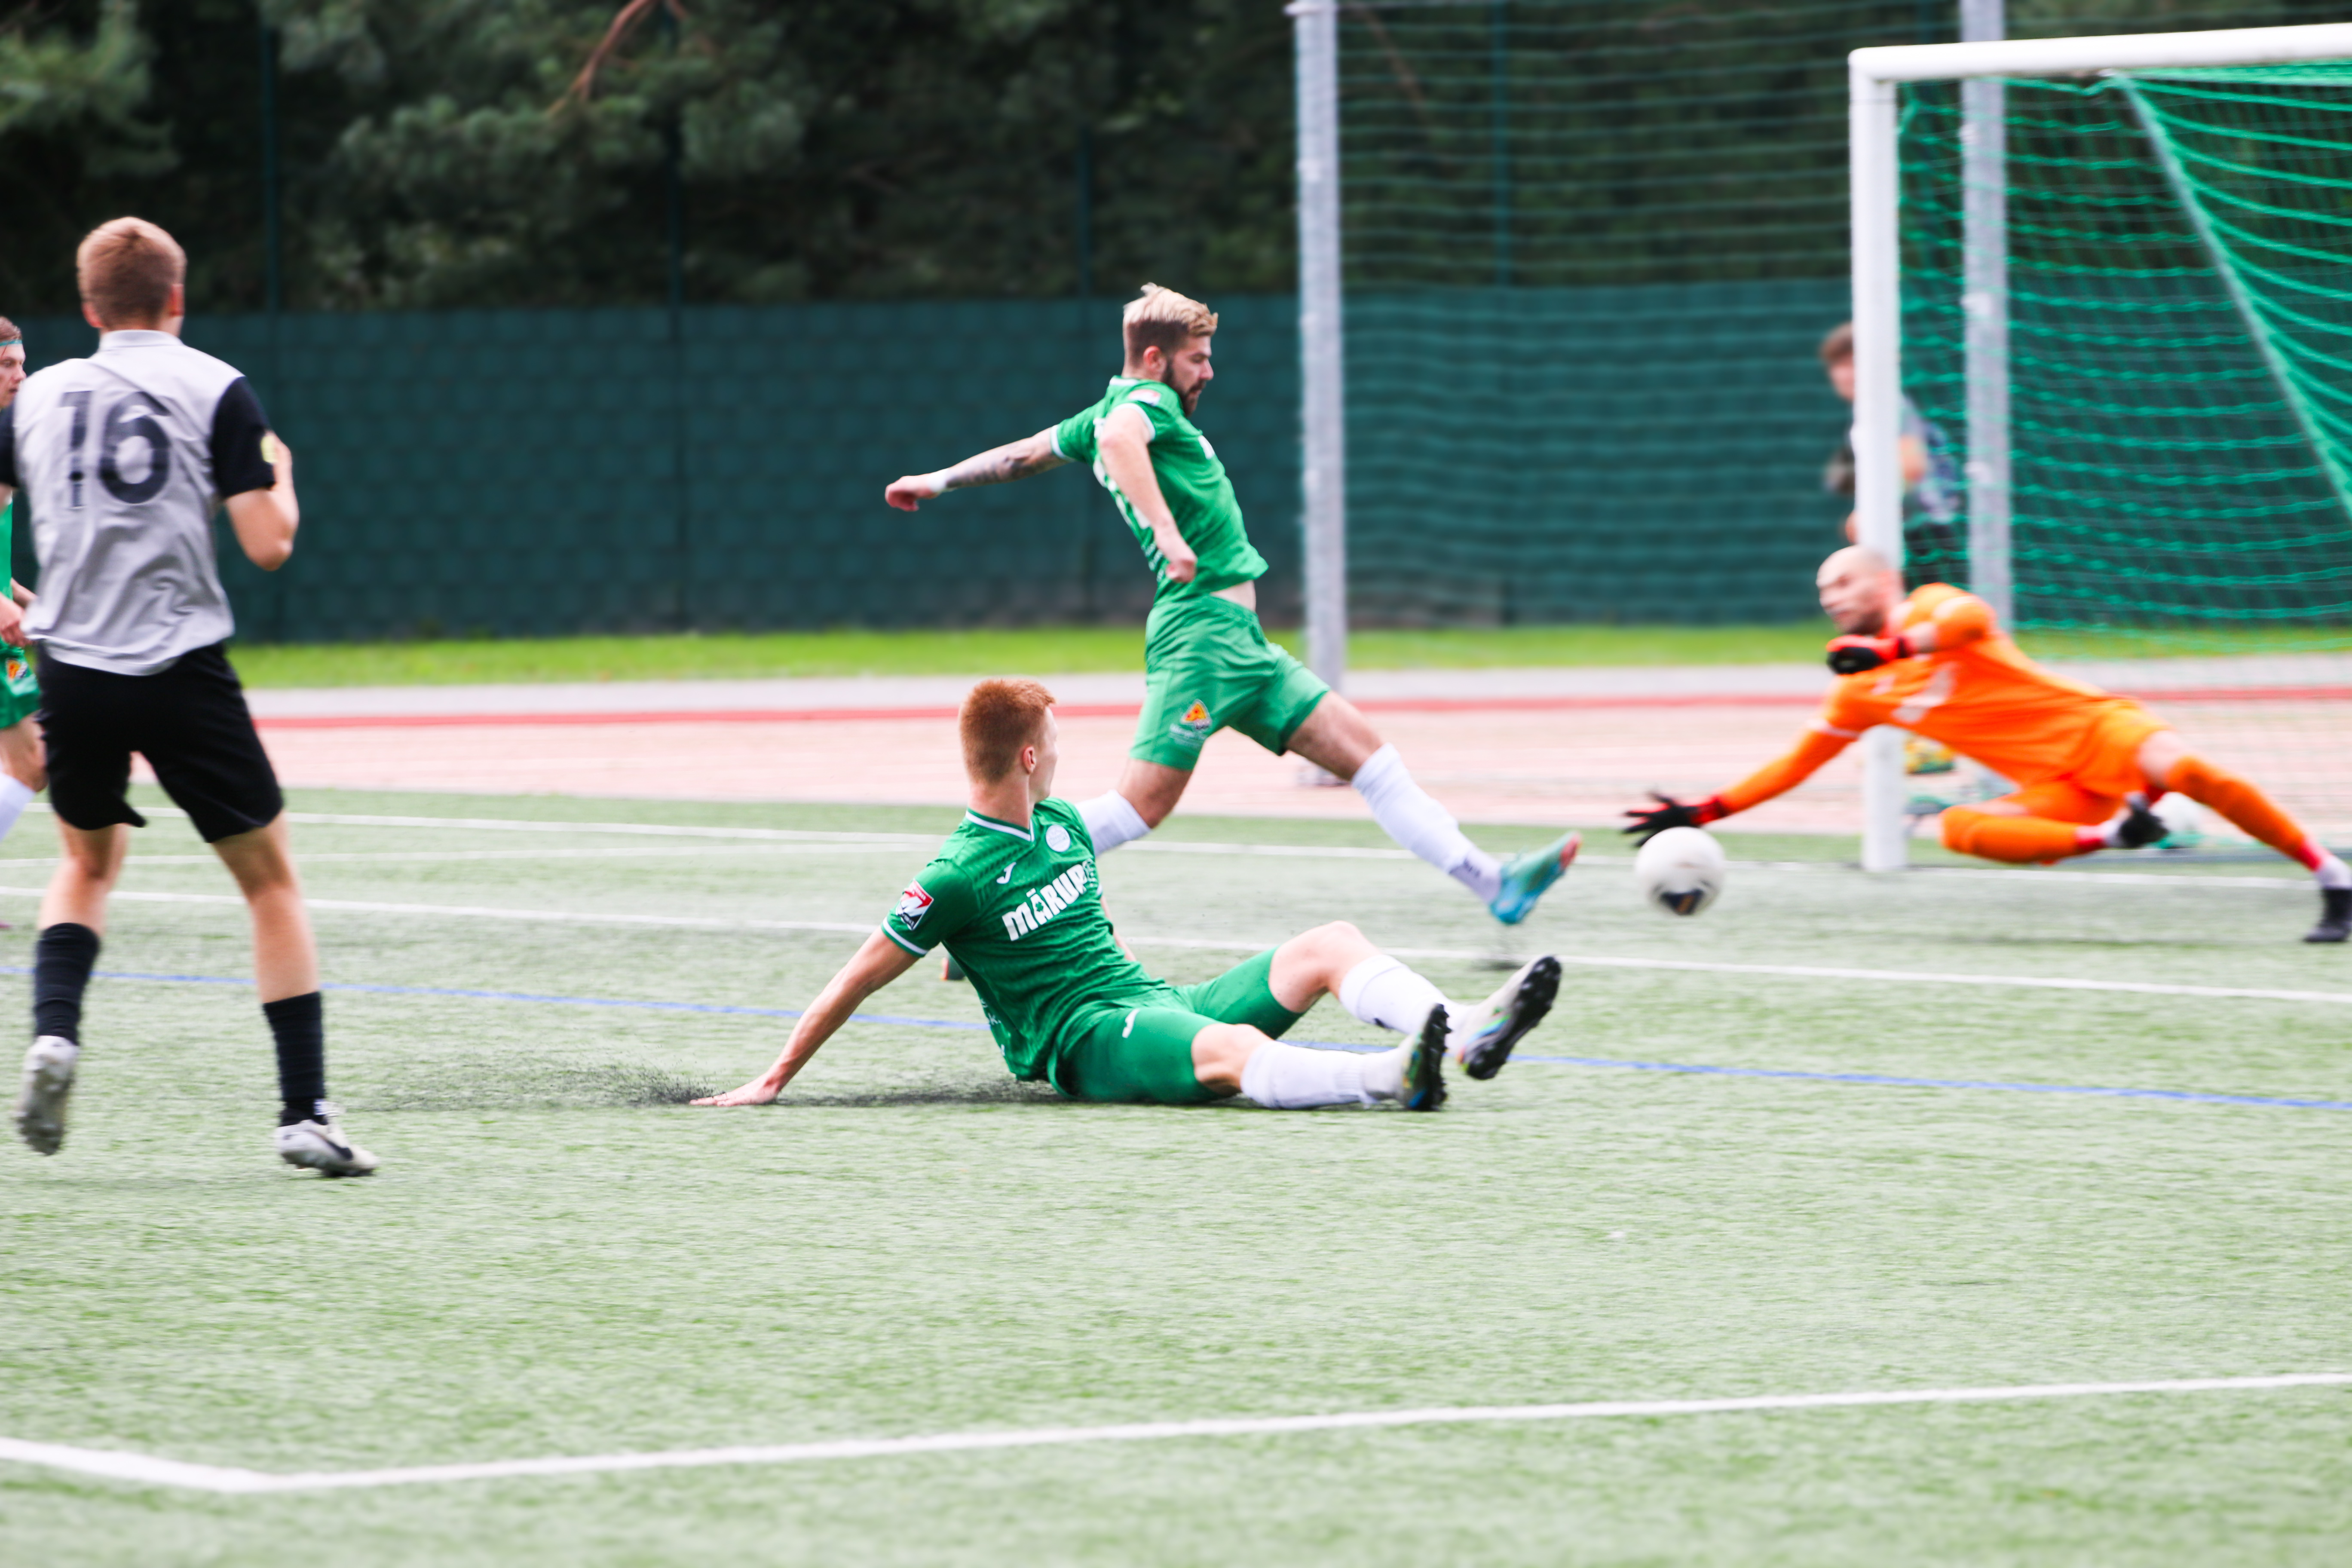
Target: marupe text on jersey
{"x": 1046, "y": 901}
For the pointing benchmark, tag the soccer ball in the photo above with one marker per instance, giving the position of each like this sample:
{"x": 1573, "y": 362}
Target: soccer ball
{"x": 1680, "y": 870}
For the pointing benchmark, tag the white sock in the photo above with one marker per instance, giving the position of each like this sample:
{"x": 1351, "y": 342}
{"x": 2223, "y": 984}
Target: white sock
{"x": 1292, "y": 1077}
{"x": 2331, "y": 871}
{"x": 1111, "y": 821}
{"x": 1383, "y": 992}
{"x": 14, "y": 798}
{"x": 1384, "y": 1073}
{"x": 1407, "y": 813}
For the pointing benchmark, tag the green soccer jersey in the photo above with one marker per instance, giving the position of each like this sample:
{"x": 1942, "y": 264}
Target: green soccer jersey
{"x": 1020, "y": 908}
{"x": 1191, "y": 481}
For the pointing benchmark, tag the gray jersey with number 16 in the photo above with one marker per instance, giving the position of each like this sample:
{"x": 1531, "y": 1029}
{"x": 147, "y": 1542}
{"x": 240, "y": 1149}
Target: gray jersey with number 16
{"x": 122, "y": 458}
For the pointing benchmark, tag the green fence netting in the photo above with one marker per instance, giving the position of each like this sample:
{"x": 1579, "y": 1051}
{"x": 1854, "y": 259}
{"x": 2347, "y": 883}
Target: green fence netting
{"x": 530, "y": 473}
{"x": 2180, "y": 318}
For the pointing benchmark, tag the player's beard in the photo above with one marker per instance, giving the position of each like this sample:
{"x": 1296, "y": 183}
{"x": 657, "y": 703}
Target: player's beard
{"x": 1192, "y": 400}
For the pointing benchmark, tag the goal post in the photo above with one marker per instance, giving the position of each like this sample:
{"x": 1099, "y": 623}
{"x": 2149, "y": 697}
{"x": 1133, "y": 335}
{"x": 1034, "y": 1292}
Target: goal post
{"x": 2305, "y": 377}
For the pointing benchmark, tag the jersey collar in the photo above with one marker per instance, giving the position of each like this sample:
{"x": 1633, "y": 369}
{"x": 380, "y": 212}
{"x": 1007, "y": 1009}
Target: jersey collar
{"x": 1006, "y": 828}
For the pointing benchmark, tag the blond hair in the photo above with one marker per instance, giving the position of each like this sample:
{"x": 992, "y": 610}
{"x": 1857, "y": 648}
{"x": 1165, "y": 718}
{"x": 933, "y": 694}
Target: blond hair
{"x": 128, "y": 268}
{"x": 998, "y": 718}
{"x": 1164, "y": 320}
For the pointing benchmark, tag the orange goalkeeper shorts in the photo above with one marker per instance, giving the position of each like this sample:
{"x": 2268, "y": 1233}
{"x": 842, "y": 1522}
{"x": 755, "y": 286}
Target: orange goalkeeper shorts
{"x": 2108, "y": 761}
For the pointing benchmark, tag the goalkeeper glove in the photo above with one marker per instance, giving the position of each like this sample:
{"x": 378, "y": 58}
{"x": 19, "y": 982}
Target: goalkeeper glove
{"x": 1852, "y": 655}
{"x": 1650, "y": 821}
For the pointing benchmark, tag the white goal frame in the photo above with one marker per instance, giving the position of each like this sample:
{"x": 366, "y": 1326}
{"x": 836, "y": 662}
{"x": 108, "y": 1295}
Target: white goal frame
{"x": 1874, "y": 75}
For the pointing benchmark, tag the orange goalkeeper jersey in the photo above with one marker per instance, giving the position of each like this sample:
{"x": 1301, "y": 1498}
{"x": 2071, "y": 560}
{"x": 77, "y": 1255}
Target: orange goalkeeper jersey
{"x": 1976, "y": 693}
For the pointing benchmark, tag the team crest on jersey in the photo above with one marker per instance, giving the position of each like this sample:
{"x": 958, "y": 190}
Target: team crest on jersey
{"x": 1058, "y": 838}
{"x": 913, "y": 905}
{"x": 1193, "y": 727}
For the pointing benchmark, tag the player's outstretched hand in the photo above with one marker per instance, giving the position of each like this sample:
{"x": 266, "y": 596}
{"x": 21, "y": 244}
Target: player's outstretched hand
{"x": 758, "y": 1092}
{"x": 1650, "y": 821}
{"x": 911, "y": 490}
{"x": 1852, "y": 655}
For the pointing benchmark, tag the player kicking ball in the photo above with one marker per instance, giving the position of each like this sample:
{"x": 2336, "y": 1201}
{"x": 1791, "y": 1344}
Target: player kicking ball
{"x": 2087, "y": 762}
{"x": 1012, "y": 895}
{"x": 1207, "y": 664}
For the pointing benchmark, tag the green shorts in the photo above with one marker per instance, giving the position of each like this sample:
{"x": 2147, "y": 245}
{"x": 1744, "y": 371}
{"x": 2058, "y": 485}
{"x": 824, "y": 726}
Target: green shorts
{"x": 1207, "y": 666}
{"x": 20, "y": 692}
{"x": 1138, "y": 1051}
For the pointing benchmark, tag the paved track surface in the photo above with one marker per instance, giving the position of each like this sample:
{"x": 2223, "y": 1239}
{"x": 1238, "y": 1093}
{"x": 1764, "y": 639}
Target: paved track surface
{"x": 1567, "y": 746}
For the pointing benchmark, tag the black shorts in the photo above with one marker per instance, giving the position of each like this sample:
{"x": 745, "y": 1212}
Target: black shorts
{"x": 189, "y": 721}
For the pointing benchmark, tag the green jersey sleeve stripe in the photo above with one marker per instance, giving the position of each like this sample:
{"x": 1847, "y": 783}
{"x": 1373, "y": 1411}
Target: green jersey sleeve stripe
{"x": 902, "y": 942}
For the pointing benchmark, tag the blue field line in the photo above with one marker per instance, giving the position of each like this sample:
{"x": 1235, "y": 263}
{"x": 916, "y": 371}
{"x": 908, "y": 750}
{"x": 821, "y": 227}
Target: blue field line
{"x": 520, "y": 996}
{"x": 1873, "y": 1080}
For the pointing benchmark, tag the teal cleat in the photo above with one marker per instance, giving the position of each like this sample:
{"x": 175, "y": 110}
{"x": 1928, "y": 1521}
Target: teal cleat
{"x": 1526, "y": 878}
{"x": 1424, "y": 1070}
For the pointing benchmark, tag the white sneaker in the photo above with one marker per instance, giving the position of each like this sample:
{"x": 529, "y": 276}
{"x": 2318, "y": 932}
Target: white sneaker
{"x": 1483, "y": 1042}
{"x": 48, "y": 1086}
{"x": 320, "y": 1145}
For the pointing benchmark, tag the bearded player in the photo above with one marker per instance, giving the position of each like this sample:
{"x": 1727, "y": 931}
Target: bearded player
{"x": 2086, "y": 763}
{"x": 1207, "y": 664}
{"x": 1012, "y": 895}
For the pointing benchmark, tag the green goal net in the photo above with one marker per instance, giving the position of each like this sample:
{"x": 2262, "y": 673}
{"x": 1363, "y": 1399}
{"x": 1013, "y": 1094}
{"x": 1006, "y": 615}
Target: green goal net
{"x": 2179, "y": 314}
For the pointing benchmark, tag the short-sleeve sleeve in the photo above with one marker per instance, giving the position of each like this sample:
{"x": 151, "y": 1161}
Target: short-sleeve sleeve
{"x": 1074, "y": 438}
{"x": 935, "y": 906}
{"x": 238, "y": 426}
{"x": 1159, "y": 404}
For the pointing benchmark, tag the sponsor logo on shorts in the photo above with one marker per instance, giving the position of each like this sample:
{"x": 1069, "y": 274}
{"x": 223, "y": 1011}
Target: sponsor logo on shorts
{"x": 1193, "y": 727}
{"x": 1046, "y": 901}
{"x": 913, "y": 905}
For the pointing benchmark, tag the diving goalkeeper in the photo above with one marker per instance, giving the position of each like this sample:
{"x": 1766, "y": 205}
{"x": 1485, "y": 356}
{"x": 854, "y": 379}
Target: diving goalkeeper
{"x": 2086, "y": 763}
{"x": 1206, "y": 661}
{"x": 1012, "y": 894}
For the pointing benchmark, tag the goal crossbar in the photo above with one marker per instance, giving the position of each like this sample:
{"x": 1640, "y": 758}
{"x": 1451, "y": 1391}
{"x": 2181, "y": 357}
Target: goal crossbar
{"x": 1874, "y": 166}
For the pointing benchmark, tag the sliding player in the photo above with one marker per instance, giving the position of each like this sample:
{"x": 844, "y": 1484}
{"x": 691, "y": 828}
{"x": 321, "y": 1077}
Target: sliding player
{"x": 23, "y": 772}
{"x": 1014, "y": 895}
{"x": 2086, "y": 763}
{"x": 1207, "y": 663}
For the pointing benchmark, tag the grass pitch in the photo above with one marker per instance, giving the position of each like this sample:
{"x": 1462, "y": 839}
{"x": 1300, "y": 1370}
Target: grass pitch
{"x": 561, "y": 1257}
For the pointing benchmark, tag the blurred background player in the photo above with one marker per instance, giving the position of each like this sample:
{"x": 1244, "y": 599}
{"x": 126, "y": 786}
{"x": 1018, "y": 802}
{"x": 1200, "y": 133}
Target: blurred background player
{"x": 1015, "y": 895}
{"x": 22, "y": 773}
{"x": 2087, "y": 762}
{"x": 126, "y": 454}
{"x": 1931, "y": 481}
{"x": 1207, "y": 663}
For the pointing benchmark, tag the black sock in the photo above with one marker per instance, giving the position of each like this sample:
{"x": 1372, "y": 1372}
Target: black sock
{"x": 62, "y": 960}
{"x": 299, "y": 1024}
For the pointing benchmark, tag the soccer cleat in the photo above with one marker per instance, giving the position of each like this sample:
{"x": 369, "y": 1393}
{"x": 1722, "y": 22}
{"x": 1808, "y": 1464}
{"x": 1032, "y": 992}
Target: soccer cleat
{"x": 1503, "y": 1018}
{"x": 1526, "y": 878}
{"x": 318, "y": 1145}
{"x": 949, "y": 970}
{"x": 48, "y": 1086}
{"x": 2335, "y": 916}
{"x": 2138, "y": 828}
{"x": 1424, "y": 1070}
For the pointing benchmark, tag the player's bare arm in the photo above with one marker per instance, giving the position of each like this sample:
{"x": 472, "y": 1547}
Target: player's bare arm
{"x": 1126, "y": 447}
{"x": 997, "y": 466}
{"x": 265, "y": 521}
{"x": 878, "y": 964}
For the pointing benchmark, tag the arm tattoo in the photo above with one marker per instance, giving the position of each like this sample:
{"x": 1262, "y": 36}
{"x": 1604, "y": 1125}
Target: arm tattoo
{"x": 1000, "y": 465}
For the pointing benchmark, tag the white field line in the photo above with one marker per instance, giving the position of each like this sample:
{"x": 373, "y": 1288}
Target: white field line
{"x": 426, "y": 856}
{"x": 139, "y": 1467}
{"x": 877, "y": 840}
{"x": 1218, "y": 945}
